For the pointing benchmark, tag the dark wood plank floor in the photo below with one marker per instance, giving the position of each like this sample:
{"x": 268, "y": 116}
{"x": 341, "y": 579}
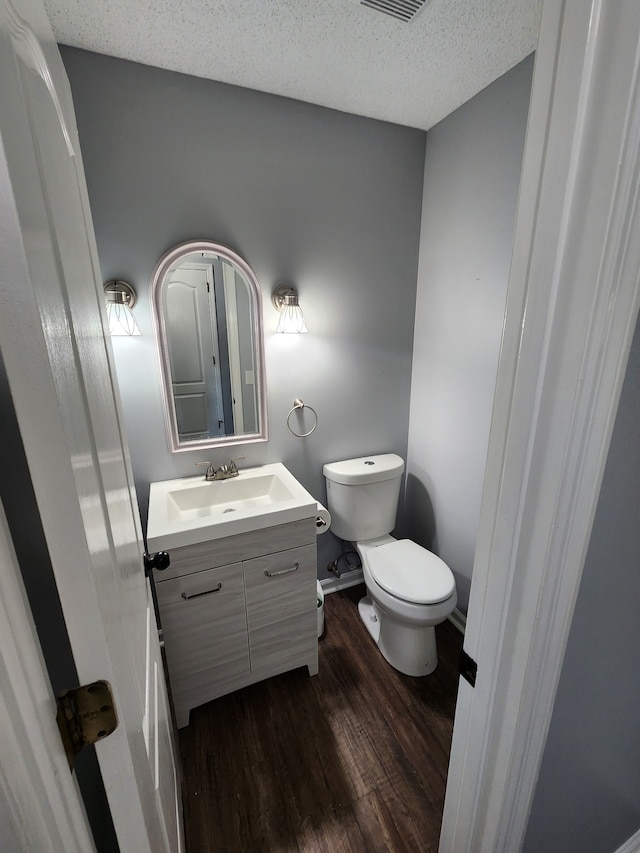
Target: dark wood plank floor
{"x": 354, "y": 759}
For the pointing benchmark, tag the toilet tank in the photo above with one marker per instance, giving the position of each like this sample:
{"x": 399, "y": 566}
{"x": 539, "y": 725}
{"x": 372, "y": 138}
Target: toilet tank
{"x": 362, "y": 496}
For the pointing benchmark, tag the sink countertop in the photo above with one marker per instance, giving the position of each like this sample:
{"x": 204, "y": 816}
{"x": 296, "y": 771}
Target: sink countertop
{"x": 191, "y": 510}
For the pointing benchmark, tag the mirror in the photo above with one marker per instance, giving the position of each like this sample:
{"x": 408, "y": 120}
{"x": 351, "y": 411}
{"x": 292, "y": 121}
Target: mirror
{"x": 208, "y": 323}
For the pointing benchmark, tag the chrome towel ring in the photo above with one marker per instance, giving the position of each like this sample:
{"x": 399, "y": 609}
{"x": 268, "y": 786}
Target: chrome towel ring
{"x": 297, "y": 405}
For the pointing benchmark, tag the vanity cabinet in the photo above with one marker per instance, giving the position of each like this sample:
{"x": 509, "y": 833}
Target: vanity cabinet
{"x": 238, "y": 610}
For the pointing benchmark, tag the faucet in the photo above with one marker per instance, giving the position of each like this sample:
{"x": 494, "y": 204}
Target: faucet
{"x": 224, "y": 472}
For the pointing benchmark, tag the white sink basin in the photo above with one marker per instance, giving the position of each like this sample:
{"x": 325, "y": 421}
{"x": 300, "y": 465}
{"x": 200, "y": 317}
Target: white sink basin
{"x": 191, "y": 510}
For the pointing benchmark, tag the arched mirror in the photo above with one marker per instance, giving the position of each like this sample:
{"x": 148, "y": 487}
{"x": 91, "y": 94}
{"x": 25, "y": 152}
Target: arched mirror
{"x": 208, "y": 322}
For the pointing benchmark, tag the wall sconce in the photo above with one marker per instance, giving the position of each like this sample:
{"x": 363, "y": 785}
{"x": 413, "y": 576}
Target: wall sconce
{"x": 285, "y": 300}
{"x": 121, "y": 298}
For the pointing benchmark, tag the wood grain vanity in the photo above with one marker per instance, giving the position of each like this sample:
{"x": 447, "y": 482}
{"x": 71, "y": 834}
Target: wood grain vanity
{"x": 237, "y": 610}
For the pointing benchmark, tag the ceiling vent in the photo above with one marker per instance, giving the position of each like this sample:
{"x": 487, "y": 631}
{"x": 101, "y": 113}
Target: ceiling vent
{"x": 403, "y": 10}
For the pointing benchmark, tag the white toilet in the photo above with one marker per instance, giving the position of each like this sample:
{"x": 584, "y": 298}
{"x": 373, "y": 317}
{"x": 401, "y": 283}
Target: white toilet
{"x": 410, "y": 590}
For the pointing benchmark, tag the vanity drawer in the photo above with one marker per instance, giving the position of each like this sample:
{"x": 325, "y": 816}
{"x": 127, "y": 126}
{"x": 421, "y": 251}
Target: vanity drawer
{"x": 204, "y": 627}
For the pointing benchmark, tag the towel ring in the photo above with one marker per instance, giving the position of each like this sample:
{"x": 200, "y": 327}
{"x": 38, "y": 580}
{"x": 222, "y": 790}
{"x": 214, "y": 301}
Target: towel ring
{"x": 297, "y": 405}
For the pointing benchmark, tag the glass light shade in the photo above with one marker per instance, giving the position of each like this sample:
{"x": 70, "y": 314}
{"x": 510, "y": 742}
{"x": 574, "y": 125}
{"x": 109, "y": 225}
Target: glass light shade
{"x": 291, "y": 320}
{"x": 120, "y": 298}
{"x": 121, "y": 320}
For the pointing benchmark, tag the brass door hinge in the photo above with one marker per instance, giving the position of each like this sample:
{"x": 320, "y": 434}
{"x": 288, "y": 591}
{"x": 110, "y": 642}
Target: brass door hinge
{"x": 85, "y": 715}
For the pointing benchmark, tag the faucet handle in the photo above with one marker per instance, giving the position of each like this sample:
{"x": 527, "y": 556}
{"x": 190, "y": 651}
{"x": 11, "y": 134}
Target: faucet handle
{"x": 210, "y": 472}
{"x": 232, "y": 464}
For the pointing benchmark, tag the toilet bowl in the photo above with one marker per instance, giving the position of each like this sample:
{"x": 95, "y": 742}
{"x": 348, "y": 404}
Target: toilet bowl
{"x": 409, "y": 589}
{"x": 409, "y": 592}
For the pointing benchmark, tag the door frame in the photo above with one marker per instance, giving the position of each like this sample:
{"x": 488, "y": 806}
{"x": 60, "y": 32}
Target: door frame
{"x": 572, "y": 304}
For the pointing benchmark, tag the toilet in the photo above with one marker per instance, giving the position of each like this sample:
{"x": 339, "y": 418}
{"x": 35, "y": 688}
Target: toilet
{"x": 409, "y": 589}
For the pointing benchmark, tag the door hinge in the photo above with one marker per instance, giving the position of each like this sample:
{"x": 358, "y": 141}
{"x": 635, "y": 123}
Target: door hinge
{"x": 468, "y": 668}
{"x": 85, "y": 715}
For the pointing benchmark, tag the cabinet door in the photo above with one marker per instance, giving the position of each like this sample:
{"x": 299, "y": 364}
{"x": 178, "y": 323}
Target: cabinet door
{"x": 205, "y": 635}
{"x": 281, "y": 610}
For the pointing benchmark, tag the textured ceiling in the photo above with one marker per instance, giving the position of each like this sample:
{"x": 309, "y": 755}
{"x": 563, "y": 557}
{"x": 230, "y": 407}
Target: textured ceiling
{"x": 337, "y": 53}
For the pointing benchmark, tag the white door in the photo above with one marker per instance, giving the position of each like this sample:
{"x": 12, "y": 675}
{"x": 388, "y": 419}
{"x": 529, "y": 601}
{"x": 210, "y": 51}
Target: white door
{"x": 40, "y": 808}
{"x": 60, "y": 373}
{"x": 193, "y": 351}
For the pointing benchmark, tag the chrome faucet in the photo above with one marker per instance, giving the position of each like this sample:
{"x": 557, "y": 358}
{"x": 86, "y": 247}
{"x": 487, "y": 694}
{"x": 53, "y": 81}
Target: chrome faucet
{"x": 224, "y": 472}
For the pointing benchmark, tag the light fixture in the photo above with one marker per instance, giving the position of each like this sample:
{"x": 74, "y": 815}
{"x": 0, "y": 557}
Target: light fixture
{"x": 285, "y": 300}
{"x": 121, "y": 298}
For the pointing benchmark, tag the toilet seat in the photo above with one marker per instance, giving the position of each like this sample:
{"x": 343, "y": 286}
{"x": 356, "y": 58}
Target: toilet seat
{"x": 409, "y": 572}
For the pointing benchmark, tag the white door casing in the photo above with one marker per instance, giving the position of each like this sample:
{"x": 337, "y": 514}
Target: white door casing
{"x": 572, "y": 303}
{"x": 59, "y": 368}
{"x": 229, "y": 279}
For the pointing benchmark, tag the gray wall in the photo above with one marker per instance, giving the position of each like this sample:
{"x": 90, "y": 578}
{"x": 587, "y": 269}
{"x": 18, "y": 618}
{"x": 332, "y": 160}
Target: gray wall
{"x": 472, "y": 175}
{"x": 588, "y": 793}
{"x": 326, "y": 200}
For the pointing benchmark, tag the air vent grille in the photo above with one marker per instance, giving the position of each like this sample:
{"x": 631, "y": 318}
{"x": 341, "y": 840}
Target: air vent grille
{"x": 403, "y": 10}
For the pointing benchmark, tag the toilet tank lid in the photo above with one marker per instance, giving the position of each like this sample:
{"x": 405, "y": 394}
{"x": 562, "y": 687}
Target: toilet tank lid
{"x": 366, "y": 469}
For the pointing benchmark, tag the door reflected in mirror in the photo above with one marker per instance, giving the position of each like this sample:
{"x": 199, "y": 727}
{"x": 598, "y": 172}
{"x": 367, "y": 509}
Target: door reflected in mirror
{"x": 208, "y": 323}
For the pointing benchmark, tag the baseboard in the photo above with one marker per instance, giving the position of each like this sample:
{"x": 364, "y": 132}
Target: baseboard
{"x": 631, "y": 845}
{"x": 458, "y": 619}
{"x": 345, "y": 580}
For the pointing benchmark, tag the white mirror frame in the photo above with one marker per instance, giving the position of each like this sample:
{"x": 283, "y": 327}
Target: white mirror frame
{"x": 166, "y": 262}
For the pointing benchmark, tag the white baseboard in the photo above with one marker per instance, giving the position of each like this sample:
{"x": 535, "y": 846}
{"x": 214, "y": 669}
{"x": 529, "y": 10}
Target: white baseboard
{"x": 631, "y": 845}
{"x": 355, "y": 577}
{"x": 345, "y": 580}
{"x": 458, "y": 619}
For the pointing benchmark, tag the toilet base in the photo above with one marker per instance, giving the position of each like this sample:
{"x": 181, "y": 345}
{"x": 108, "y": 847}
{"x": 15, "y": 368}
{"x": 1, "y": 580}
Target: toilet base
{"x": 369, "y": 615}
{"x": 410, "y": 650}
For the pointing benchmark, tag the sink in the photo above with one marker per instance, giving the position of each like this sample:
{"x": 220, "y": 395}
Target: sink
{"x": 199, "y": 499}
{"x": 191, "y": 510}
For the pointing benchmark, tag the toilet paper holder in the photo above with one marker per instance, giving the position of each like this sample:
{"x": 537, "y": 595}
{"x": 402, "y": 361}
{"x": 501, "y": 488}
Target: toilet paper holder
{"x": 323, "y": 519}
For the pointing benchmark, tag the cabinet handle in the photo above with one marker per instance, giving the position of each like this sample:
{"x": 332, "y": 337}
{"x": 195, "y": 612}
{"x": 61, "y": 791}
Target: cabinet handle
{"x": 198, "y": 594}
{"x": 282, "y": 571}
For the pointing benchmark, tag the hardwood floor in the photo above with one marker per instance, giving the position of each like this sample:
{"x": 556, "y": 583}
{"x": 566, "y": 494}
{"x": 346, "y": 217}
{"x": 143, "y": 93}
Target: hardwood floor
{"x": 354, "y": 759}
